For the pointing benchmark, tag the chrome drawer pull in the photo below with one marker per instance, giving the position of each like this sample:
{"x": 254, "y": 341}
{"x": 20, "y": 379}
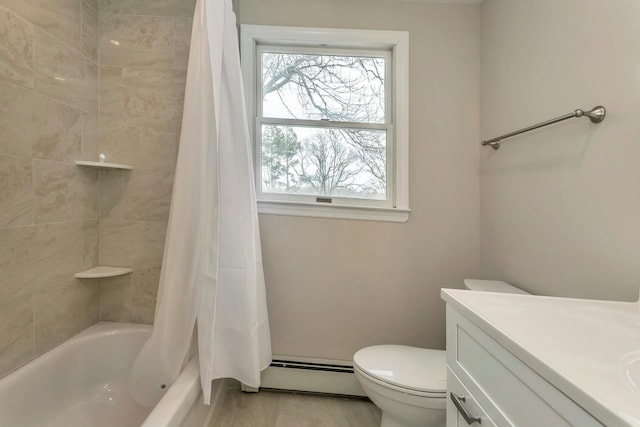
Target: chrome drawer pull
{"x": 459, "y": 402}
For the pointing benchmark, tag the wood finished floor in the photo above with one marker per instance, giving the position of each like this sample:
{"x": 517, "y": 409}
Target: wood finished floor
{"x": 275, "y": 409}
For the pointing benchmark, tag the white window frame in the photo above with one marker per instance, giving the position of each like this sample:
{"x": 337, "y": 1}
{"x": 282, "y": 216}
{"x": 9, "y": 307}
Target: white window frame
{"x": 396, "y": 44}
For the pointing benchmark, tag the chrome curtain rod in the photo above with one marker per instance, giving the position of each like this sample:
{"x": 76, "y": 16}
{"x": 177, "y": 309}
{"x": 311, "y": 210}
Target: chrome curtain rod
{"x": 596, "y": 115}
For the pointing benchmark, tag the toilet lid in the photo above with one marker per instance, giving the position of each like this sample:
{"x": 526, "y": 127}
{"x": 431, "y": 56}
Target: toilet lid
{"x": 413, "y": 368}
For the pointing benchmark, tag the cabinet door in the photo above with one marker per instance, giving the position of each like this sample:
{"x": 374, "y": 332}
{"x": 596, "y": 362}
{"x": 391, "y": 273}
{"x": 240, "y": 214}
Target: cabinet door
{"x": 467, "y": 405}
{"x": 510, "y": 391}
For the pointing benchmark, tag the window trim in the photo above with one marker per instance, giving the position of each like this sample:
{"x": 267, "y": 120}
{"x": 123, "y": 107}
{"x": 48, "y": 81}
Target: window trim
{"x": 397, "y": 42}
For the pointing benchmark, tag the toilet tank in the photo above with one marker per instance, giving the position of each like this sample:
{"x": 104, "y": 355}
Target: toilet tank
{"x": 492, "y": 286}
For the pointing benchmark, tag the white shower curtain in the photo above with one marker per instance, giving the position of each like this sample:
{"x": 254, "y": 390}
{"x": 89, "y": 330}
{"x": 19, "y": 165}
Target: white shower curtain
{"x": 212, "y": 268}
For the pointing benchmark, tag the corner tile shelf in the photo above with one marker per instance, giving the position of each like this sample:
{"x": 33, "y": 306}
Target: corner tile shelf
{"x": 103, "y": 271}
{"x": 102, "y": 165}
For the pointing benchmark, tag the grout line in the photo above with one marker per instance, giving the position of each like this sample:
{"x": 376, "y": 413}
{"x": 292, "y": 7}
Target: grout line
{"x": 45, "y": 224}
{"x": 81, "y": 26}
{"x": 82, "y": 245}
{"x": 144, "y": 67}
{"x": 16, "y": 15}
{"x": 33, "y": 317}
{"x": 91, "y": 7}
{"x": 33, "y": 192}
{"x": 135, "y": 221}
{"x": 130, "y": 15}
{"x": 82, "y": 137}
{"x": 14, "y": 156}
{"x": 35, "y": 27}
{"x": 33, "y": 54}
{"x": 57, "y": 161}
{"x": 123, "y": 189}
{"x": 65, "y": 44}
{"x": 98, "y": 148}
{"x": 173, "y": 41}
{"x": 49, "y": 97}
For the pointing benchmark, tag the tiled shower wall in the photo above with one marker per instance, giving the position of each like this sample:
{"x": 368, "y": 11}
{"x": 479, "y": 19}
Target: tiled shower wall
{"x": 65, "y": 65}
{"x": 48, "y": 206}
{"x": 144, "y": 49}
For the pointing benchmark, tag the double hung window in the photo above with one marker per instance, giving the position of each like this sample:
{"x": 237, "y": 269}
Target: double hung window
{"x": 325, "y": 106}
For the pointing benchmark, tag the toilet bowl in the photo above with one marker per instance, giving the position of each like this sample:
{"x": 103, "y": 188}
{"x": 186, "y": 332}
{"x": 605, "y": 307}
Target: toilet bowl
{"x": 409, "y": 384}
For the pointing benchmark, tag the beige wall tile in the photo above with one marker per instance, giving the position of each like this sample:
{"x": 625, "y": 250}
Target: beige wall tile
{"x": 182, "y": 42}
{"x": 119, "y": 145}
{"x": 110, "y": 80}
{"x": 90, "y": 31}
{"x": 63, "y": 310}
{"x": 90, "y": 137}
{"x": 111, "y": 204}
{"x": 110, "y": 7}
{"x": 16, "y": 49}
{"x": 154, "y": 98}
{"x": 113, "y": 293}
{"x": 90, "y": 232}
{"x": 16, "y": 332}
{"x": 140, "y": 303}
{"x": 40, "y": 44}
{"x": 144, "y": 99}
{"x": 65, "y": 74}
{"x": 64, "y": 192}
{"x": 137, "y": 244}
{"x": 148, "y": 195}
{"x": 136, "y": 40}
{"x": 16, "y": 197}
{"x": 157, "y": 150}
{"x": 130, "y": 298}
{"x": 32, "y": 125}
{"x": 142, "y": 150}
{"x": 60, "y": 18}
{"x": 112, "y": 111}
{"x": 159, "y": 7}
{"x": 64, "y": 140}
{"x": 38, "y": 255}
{"x": 142, "y": 82}
{"x": 93, "y": 4}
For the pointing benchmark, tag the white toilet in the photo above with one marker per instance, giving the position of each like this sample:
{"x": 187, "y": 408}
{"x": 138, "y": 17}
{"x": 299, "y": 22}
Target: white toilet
{"x": 409, "y": 384}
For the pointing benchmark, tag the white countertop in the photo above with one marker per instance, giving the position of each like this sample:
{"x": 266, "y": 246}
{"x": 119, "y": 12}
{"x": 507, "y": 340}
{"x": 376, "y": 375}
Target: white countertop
{"x": 589, "y": 350}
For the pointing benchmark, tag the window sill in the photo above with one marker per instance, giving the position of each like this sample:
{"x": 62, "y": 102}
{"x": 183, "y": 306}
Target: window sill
{"x": 270, "y": 207}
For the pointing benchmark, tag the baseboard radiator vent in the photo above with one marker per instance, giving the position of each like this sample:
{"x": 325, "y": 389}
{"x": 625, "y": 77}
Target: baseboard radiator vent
{"x": 310, "y": 375}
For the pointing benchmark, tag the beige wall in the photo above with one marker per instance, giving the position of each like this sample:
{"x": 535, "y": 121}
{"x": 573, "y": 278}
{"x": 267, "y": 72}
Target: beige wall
{"x": 335, "y": 286}
{"x": 48, "y": 206}
{"x": 560, "y": 208}
{"x": 144, "y": 49}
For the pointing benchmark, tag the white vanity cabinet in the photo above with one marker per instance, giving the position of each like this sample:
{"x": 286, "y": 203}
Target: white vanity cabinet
{"x": 533, "y": 361}
{"x": 462, "y": 408}
{"x": 494, "y": 388}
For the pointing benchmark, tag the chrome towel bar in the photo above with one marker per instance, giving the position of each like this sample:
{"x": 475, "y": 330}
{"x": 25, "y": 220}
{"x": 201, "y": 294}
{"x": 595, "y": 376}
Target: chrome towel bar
{"x": 596, "y": 115}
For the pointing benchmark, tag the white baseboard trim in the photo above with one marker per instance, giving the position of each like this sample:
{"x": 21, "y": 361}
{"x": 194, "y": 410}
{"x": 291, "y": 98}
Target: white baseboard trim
{"x": 310, "y": 375}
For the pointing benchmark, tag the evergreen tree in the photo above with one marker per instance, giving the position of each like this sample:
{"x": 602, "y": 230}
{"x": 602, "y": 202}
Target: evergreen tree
{"x": 280, "y": 147}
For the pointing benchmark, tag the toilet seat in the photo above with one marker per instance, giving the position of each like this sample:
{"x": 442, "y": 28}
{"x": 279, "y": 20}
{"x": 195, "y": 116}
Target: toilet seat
{"x": 398, "y": 389}
{"x": 411, "y": 370}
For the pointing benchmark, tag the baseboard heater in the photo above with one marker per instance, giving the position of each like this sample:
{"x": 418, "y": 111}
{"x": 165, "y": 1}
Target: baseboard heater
{"x": 310, "y": 375}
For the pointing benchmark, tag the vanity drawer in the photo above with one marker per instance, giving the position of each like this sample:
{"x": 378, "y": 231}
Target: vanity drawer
{"x": 455, "y": 417}
{"x": 511, "y": 392}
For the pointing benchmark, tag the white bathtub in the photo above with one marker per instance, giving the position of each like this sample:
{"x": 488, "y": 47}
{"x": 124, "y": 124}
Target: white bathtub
{"x": 81, "y": 383}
